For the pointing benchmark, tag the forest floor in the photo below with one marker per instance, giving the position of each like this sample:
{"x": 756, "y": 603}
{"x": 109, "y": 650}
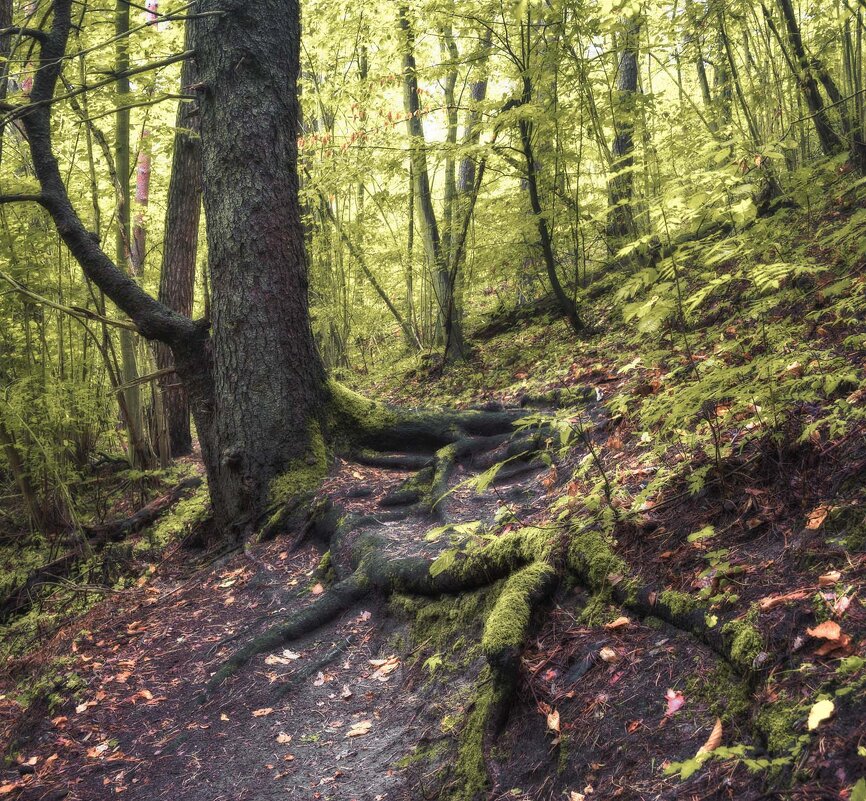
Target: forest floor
{"x": 610, "y": 703}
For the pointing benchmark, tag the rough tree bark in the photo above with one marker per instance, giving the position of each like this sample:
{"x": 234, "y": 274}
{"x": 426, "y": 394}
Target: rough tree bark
{"x": 180, "y": 246}
{"x": 257, "y": 386}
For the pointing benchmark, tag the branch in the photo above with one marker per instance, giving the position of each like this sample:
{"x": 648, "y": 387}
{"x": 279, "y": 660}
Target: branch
{"x": 22, "y": 199}
{"x": 19, "y": 112}
{"x": 33, "y": 33}
{"x": 150, "y": 318}
{"x": 79, "y": 312}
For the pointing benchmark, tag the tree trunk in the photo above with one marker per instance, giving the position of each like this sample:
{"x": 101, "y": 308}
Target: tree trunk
{"x": 177, "y": 279}
{"x": 422, "y": 187}
{"x": 545, "y": 239}
{"x": 620, "y": 187}
{"x": 257, "y": 386}
{"x": 140, "y": 454}
{"x": 268, "y": 380}
{"x": 829, "y": 139}
{"x": 455, "y": 345}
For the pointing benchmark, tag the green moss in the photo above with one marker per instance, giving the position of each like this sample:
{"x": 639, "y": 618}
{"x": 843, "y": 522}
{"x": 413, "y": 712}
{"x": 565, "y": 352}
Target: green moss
{"x": 354, "y": 417}
{"x": 186, "y": 515}
{"x": 506, "y": 626}
{"x": 778, "y": 723}
{"x": 440, "y": 625}
{"x": 591, "y": 556}
{"x": 679, "y": 604}
{"x": 325, "y": 570}
{"x": 56, "y": 685}
{"x": 424, "y": 754}
{"x": 471, "y": 768}
{"x": 597, "y": 611}
{"x": 746, "y": 642}
{"x": 727, "y": 695}
{"x": 303, "y": 474}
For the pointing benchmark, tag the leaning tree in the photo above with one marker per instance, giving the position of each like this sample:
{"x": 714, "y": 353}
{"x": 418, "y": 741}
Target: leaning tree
{"x": 266, "y": 415}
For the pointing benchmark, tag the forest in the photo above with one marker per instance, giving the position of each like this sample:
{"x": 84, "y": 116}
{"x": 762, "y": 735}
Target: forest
{"x": 408, "y": 400}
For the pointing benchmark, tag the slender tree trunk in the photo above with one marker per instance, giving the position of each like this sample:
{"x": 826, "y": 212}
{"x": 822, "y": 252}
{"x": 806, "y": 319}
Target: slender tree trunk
{"x": 422, "y": 186}
{"x": 455, "y": 346}
{"x": 544, "y": 237}
{"x": 177, "y": 279}
{"x": 829, "y": 139}
{"x": 140, "y": 453}
{"x": 620, "y": 187}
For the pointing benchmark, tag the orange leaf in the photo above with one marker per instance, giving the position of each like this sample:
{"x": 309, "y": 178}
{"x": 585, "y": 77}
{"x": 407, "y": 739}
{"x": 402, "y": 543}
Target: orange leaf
{"x": 714, "y": 740}
{"x": 828, "y": 630}
{"x": 772, "y": 601}
{"x": 815, "y": 519}
{"x": 618, "y": 623}
{"x": 260, "y": 713}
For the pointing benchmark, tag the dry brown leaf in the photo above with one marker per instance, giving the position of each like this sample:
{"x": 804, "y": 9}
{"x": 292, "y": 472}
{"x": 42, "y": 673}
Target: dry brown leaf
{"x": 359, "y": 729}
{"x": 829, "y": 579}
{"x": 618, "y": 623}
{"x": 815, "y": 519}
{"x": 283, "y": 738}
{"x": 384, "y": 667}
{"x": 772, "y": 601}
{"x": 318, "y": 589}
{"x": 831, "y": 646}
{"x": 714, "y": 740}
{"x": 260, "y": 713}
{"x": 5, "y": 789}
{"x": 828, "y": 630}
{"x": 608, "y": 655}
{"x": 553, "y": 720}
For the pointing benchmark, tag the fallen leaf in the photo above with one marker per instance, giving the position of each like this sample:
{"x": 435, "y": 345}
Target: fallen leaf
{"x": 384, "y": 667}
{"x": 831, "y": 646}
{"x": 576, "y": 796}
{"x": 828, "y": 630}
{"x": 772, "y": 601}
{"x": 714, "y": 740}
{"x": 553, "y": 720}
{"x": 841, "y": 605}
{"x": 815, "y": 519}
{"x": 359, "y": 729}
{"x": 318, "y": 589}
{"x": 260, "y": 713}
{"x": 283, "y": 738}
{"x": 224, "y": 716}
{"x": 5, "y": 789}
{"x": 820, "y": 711}
{"x": 608, "y": 655}
{"x": 829, "y": 579}
{"x": 618, "y": 623}
{"x": 633, "y": 726}
{"x": 675, "y": 702}
{"x": 346, "y": 693}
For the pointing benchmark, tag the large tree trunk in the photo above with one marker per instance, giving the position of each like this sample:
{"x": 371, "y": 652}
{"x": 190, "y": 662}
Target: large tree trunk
{"x": 257, "y": 386}
{"x": 268, "y": 380}
{"x": 177, "y": 279}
